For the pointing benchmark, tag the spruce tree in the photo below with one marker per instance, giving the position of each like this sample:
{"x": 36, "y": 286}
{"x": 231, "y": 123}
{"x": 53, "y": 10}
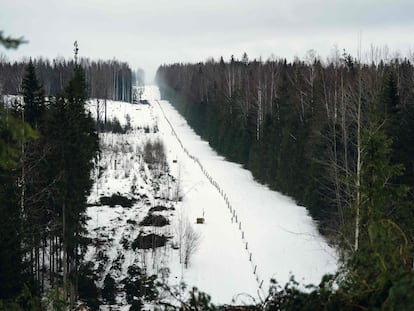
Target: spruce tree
{"x": 33, "y": 95}
{"x": 13, "y": 133}
{"x": 33, "y": 196}
{"x": 10, "y": 242}
{"x": 384, "y": 248}
{"x": 71, "y": 131}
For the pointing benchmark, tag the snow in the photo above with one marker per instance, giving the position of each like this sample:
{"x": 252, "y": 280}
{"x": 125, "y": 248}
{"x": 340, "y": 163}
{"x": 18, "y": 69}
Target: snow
{"x": 251, "y": 233}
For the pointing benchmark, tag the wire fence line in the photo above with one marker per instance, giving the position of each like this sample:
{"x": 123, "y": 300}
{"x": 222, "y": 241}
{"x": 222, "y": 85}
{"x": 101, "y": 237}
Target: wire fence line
{"x": 234, "y": 217}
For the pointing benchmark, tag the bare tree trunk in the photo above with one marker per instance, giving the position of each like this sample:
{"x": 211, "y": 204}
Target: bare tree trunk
{"x": 51, "y": 259}
{"x": 229, "y": 80}
{"x": 344, "y": 132}
{"x": 72, "y": 286}
{"x": 259, "y": 112}
{"x": 358, "y": 173}
{"x": 65, "y": 253}
{"x": 44, "y": 241}
{"x": 37, "y": 261}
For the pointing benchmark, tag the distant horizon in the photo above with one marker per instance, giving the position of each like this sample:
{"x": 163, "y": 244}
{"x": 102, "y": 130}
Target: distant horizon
{"x": 147, "y": 34}
{"x": 381, "y": 53}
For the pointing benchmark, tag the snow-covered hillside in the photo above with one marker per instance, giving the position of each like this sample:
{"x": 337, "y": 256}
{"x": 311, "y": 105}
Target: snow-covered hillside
{"x": 250, "y": 235}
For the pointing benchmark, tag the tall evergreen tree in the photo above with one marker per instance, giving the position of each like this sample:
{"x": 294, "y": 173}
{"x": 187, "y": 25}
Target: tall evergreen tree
{"x": 10, "y": 242}
{"x": 382, "y": 258}
{"x": 13, "y": 133}
{"x": 72, "y": 133}
{"x": 33, "y": 95}
{"x": 309, "y": 144}
{"x": 33, "y": 179}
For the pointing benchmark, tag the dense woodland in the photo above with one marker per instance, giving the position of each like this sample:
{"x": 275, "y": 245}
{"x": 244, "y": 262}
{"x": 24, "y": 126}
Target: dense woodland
{"x": 46, "y": 157}
{"x": 295, "y": 125}
{"x": 104, "y": 79}
{"x": 338, "y": 137}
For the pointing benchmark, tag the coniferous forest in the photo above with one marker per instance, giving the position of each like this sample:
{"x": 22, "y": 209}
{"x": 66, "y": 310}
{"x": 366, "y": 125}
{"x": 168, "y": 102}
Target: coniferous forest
{"x": 300, "y": 127}
{"x": 336, "y": 136}
{"x": 47, "y": 154}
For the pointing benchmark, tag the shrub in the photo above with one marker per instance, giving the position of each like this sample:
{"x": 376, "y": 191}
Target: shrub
{"x": 108, "y": 291}
{"x": 158, "y": 208}
{"x": 117, "y": 199}
{"x": 148, "y": 241}
{"x": 138, "y": 285}
{"x": 87, "y": 289}
{"x": 154, "y": 220}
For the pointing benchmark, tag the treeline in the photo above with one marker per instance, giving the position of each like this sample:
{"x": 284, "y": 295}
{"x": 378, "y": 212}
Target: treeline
{"x": 294, "y": 125}
{"x": 47, "y": 153}
{"x": 104, "y": 79}
{"x": 338, "y": 137}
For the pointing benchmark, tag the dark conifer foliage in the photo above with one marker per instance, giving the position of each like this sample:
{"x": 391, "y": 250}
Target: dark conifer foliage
{"x": 33, "y": 97}
{"x": 294, "y": 125}
{"x": 11, "y": 254}
{"x": 71, "y": 132}
{"x": 14, "y": 134}
{"x": 337, "y": 137}
{"x": 32, "y": 196}
{"x": 41, "y": 242}
{"x": 43, "y": 191}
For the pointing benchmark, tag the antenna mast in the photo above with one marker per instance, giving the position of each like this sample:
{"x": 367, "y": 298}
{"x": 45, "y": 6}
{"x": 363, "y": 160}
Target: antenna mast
{"x": 76, "y": 50}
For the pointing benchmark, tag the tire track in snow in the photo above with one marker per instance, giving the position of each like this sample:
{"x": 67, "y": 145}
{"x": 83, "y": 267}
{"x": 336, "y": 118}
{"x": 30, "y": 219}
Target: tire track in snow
{"x": 234, "y": 218}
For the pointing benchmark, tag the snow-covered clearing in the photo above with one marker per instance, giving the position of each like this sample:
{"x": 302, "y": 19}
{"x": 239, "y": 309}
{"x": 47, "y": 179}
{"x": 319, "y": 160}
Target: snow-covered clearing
{"x": 251, "y": 234}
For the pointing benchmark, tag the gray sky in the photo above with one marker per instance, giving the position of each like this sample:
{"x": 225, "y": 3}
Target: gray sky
{"x": 147, "y": 33}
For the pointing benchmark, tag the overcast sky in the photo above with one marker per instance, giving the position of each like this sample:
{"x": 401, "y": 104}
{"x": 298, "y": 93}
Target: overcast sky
{"x": 147, "y": 33}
